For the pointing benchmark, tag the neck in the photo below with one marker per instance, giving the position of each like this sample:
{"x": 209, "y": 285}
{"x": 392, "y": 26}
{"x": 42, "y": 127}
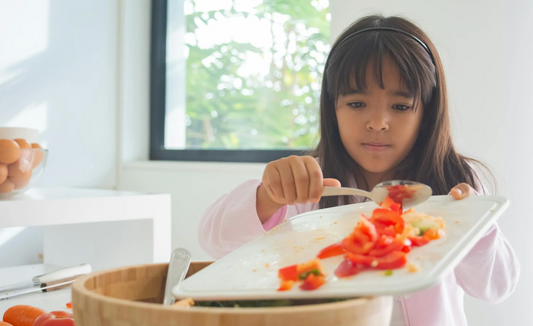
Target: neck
{"x": 372, "y": 178}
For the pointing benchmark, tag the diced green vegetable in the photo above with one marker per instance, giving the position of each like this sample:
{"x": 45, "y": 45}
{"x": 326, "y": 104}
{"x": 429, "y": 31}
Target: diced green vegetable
{"x": 388, "y": 272}
{"x": 303, "y": 276}
{"x": 424, "y": 224}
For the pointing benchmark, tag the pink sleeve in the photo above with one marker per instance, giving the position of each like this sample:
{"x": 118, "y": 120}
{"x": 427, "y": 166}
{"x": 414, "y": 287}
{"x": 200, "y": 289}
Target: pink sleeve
{"x": 231, "y": 221}
{"x": 490, "y": 271}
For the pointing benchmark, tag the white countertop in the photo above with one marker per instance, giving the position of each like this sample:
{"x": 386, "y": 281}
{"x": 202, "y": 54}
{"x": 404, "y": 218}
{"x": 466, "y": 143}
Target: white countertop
{"x": 49, "y": 301}
{"x": 54, "y": 206}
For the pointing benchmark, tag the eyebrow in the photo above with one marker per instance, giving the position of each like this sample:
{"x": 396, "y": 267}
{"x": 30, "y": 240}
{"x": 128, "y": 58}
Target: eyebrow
{"x": 405, "y": 94}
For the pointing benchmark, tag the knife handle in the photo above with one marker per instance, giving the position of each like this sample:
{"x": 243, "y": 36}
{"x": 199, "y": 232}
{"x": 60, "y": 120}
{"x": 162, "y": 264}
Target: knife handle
{"x": 63, "y": 273}
{"x": 58, "y": 284}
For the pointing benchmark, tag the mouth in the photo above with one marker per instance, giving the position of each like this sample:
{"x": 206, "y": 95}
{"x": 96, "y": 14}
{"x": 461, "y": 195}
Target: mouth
{"x": 376, "y": 146}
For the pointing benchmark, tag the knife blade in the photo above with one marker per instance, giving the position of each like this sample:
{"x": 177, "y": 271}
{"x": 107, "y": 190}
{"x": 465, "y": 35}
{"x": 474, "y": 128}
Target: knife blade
{"x": 48, "y": 277}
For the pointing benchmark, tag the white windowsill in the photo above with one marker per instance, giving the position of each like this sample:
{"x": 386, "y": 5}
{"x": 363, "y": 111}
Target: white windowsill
{"x": 181, "y": 166}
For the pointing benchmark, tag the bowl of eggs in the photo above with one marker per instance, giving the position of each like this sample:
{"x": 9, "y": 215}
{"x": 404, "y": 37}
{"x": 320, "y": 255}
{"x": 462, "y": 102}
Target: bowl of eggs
{"x": 21, "y": 160}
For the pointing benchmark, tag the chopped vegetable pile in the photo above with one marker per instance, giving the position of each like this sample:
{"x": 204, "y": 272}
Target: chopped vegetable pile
{"x": 378, "y": 242}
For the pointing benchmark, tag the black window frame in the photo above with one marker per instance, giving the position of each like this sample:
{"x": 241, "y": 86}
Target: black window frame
{"x": 158, "y": 151}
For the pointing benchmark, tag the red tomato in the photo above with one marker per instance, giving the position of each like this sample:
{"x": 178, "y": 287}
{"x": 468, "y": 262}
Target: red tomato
{"x": 312, "y": 282}
{"x": 419, "y": 241}
{"x": 347, "y": 268}
{"x": 395, "y": 259}
{"x": 330, "y": 251}
{"x": 55, "y": 318}
{"x": 289, "y": 273}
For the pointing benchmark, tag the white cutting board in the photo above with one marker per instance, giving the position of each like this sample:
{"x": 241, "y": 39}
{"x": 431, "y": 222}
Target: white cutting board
{"x": 244, "y": 275}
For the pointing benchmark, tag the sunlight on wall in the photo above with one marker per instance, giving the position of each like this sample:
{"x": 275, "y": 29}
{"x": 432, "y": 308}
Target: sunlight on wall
{"x": 30, "y": 39}
{"x": 35, "y": 116}
{"x": 8, "y": 234}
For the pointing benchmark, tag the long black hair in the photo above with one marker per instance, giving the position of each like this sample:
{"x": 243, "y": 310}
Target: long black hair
{"x": 433, "y": 159}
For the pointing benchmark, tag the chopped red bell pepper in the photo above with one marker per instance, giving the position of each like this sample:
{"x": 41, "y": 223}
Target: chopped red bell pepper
{"x": 368, "y": 229}
{"x": 388, "y": 203}
{"x": 289, "y": 273}
{"x": 312, "y": 282}
{"x": 331, "y": 251}
{"x": 361, "y": 259}
{"x": 399, "y": 192}
{"x": 356, "y": 247}
{"x": 395, "y": 259}
{"x": 286, "y": 285}
{"x": 348, "y": 268}
{"x": 419, "y": 241}
{"x": 394, "y": 246}
{"x": 387, "y": 217}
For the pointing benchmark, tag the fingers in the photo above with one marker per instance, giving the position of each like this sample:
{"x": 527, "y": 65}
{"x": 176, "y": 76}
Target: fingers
{"x": 295, "y": 180}
{"x": 315, "y": 180}
{"x": 461, "y": 191}
{"x": 301, "y": 179}
{"x": 328, "y": 182}
{"x": 287, "y": 181}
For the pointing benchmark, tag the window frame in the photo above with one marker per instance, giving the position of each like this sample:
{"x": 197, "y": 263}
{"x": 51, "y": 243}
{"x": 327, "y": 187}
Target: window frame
{"x": 158, "y": 152}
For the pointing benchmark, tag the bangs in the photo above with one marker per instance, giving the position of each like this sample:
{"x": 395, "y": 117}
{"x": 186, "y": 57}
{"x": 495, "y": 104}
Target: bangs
{"x": 349, "y": 60}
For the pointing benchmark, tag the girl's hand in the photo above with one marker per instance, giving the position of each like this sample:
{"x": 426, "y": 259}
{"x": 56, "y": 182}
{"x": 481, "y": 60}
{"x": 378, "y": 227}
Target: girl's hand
{"x": 291, "y": 180}
{"x": 462, "y": 191}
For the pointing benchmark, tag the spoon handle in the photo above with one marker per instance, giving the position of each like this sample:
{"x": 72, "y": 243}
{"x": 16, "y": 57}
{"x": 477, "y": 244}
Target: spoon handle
{"x": 177, "y": 269}
{"x": 341, "y": 191}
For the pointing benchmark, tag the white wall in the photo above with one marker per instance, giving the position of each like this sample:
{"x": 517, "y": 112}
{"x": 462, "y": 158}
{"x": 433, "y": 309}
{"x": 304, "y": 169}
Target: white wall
{"x": 58, "y": 73}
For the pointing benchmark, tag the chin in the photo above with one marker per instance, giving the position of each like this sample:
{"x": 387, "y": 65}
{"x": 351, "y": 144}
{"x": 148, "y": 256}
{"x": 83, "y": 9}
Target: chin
{"x": 375, "y": 168}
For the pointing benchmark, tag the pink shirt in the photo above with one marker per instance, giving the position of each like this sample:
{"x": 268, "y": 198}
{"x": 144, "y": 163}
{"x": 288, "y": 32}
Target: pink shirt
{"x": 489, "y": 272}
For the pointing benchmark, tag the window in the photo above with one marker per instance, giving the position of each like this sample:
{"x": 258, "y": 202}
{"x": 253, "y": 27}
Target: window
{"x": 236, "y": 80}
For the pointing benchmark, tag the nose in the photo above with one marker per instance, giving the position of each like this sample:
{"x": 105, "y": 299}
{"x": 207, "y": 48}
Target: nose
{"x": 378, "y": 121}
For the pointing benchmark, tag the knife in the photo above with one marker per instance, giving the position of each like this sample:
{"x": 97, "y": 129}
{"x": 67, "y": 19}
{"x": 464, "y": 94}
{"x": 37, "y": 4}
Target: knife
{"x": 49, "y": 277}
{"x": 44, "y": 287}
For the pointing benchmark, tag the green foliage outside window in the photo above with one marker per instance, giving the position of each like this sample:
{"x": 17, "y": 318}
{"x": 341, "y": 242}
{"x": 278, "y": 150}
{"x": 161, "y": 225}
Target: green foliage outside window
{"x": 275, "y": 107}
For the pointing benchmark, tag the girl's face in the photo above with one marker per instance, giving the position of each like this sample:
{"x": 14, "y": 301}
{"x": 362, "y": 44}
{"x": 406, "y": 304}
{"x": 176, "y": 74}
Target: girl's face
{"x": 378, "y": 127}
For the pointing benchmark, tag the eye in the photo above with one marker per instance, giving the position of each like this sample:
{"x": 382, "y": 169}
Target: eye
{"x": 356, "y": 105}
{"x": 401, "y": 107}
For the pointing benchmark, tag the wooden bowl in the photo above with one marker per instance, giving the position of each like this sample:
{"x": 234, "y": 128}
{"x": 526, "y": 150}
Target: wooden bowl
{"x": 133, "y": 295}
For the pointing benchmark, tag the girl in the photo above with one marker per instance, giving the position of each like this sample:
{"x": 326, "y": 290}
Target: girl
{"x": 384, "y": 116}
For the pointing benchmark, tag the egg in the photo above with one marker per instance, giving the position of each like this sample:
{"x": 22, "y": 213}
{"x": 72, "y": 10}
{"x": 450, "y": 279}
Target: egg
{"x": 37, "y": 155}
{"x": 22, "y": 143}
{"x": 21, "y": 182}
{"x": 7, "y": 186}
{"x": 3, "y": 172}
{"x": 9, "y": 151}
{"x": 20, "y": 170}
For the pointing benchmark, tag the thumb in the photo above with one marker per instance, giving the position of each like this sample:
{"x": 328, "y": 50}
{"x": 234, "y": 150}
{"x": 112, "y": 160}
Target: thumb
{"x": 332, "y": 183}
